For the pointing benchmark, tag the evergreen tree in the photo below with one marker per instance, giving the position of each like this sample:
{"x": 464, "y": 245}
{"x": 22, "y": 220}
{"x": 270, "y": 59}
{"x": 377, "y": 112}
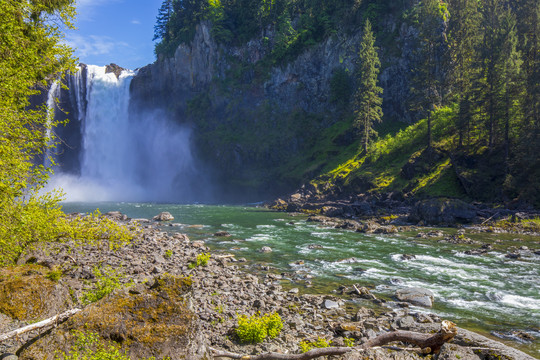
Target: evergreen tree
{"x": 464, "y": 39}
{"x": 161, "y": 28}
{"x": 510, "y": 67}
{"x": 492, "y": 83}
{"x": 528, "y": 13}
{"x": 431, "y": 16}
{"x": 367, "y": 99}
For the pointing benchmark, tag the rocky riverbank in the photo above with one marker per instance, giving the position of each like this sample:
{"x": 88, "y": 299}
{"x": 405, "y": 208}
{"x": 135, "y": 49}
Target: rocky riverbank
{"x": 369, "y": 212}
{"x": 166, "y": 305}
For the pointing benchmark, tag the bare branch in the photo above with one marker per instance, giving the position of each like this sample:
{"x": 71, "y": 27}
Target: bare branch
{"x": 50, "y": 321}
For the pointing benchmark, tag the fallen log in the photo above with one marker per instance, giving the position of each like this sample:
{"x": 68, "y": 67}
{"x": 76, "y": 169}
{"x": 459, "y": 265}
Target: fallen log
{"x": 433, "y": 341}
{"x": 428, "y": 342}
{"x": 50, "y": 321}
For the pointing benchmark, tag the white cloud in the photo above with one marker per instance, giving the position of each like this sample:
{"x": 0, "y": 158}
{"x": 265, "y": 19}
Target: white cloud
{"x": 86, "y": 9}
{"x": 135, "y": 22}
{"x": 93, "y": 45}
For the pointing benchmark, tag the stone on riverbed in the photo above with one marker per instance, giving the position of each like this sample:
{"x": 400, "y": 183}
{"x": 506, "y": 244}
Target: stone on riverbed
{"x": 164, "y": 216}
{"x": 329, "y": 304}
{"x": 416, "y": 296}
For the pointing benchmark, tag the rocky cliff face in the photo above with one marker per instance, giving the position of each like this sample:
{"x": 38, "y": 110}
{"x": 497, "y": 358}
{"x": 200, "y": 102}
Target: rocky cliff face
{"x": 221, "y": 92}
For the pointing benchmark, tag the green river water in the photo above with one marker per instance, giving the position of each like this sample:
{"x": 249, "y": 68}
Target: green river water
{"x": 488, "y": 293}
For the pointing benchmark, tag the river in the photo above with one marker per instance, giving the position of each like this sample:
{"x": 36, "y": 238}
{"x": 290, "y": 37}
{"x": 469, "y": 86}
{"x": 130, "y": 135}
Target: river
{"x": 488, "y": 293}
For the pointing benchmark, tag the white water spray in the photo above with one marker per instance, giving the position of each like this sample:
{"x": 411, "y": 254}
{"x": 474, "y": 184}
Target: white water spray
{"x": 141, "y": 158}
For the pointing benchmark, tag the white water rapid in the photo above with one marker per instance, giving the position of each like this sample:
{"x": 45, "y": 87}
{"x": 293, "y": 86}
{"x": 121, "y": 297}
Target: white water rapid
{"x": 144, "y": 157}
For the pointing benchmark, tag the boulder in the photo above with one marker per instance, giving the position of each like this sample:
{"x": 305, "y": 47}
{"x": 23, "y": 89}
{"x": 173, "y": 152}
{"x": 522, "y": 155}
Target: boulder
{"x": 266, "y": 249}
{"x": 442, "y": 211}
{"x": 164, "y": 216}
{"x": 416, "y": 296}
{"x": 27, "y": 294}
{"x": 453, "y": 352}
{"x": 153, "y": 323}
{"x": 330, "y": 304}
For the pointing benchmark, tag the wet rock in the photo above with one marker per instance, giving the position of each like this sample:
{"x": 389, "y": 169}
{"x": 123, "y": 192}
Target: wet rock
{"x": 115, "y": 69}
{"x": 513, "y": 256}
{"x": 163, "y": 216}
{"x": 443, "y": 211}
{"x": 266, "y": 249}
{"x": 315, "y": 246}
{"x": 408, "y": 257}
{"x": 416, "y": 296}
{"x": 222, "y": 234}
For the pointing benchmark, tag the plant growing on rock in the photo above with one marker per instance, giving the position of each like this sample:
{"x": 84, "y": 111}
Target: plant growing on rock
{"x": 306, "y": 345}
{"x": 254, "y": 329}
{"x": 90, "y": 346}
{"x": 202, "y": 260}
{"x": 107, "y": 281}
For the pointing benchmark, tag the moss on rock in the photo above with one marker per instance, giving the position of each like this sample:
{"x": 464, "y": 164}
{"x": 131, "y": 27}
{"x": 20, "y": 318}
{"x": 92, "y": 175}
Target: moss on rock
{"x": 145, "y": 322}
{"x": 27, "y": 294}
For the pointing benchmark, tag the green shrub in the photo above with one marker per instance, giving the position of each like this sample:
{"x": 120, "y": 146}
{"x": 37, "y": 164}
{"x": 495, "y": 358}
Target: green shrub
{"x": 254, "y": 329}
{"x": 305, "y": 345}
{"x": 94, "y": 229}
{"x": 108, "y": 280}
{"x": 202, "y": 260}
{"x": 90, "y": 346}
{"x": 349, "y": 342}
{"x": 54, "y": 275}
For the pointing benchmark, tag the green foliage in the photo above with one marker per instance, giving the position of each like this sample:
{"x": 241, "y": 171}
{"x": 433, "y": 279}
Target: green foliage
{"x": 256, "y": 328}
{"x": 305, "y": 345}
{"x": 31, "y": 54}
{"x": 107, "y": 280}
{"x": 168, "y": 253}
{"x": 202, "y": 260}
{"x": 367, "y": 100}
{"x": 349, "y": 342}
{"x": 94, "y": 229}
{"x": 91, "y": 346}
{"x": 54, "y": 275}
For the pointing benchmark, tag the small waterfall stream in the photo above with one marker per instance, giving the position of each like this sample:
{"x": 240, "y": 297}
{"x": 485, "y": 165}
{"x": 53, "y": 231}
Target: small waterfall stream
{"x": 123, "y": 156}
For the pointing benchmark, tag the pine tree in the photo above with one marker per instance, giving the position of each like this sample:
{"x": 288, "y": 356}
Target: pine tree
{"x": 367, "y": 100}
{"x": 510, "y": 69}
{"x": 464, "y": 39}
{"x": 161, "y": 29}
{"x": 492, "y": 85}
{"x": 431, "y": 17}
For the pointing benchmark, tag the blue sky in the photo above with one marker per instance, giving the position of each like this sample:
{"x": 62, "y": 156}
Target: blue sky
{"x": 115, "y": 31}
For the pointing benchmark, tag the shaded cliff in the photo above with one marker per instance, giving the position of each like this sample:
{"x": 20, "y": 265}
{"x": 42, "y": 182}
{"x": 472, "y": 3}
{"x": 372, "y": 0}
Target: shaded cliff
{"x": 266, "y": 127}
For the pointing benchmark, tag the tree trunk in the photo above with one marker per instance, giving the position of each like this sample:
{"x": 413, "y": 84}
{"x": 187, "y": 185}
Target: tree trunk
{"x": 429, "y": 129}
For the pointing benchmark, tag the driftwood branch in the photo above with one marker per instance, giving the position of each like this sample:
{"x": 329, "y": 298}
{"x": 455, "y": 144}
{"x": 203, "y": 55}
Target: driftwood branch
{"x": 429, "y": 342}
{"x": 50, "y": 321}
{"x": 433, "y": 341}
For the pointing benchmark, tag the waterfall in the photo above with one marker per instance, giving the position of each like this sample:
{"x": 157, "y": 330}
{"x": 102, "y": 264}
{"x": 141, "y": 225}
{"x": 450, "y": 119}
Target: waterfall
{"x": 123, "y": 157}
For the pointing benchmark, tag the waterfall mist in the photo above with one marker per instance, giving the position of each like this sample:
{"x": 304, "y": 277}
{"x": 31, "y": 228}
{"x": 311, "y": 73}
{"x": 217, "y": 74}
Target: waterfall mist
{"x": 139, "y": 157}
